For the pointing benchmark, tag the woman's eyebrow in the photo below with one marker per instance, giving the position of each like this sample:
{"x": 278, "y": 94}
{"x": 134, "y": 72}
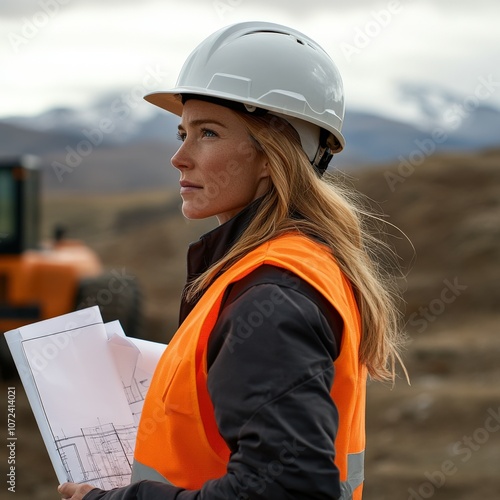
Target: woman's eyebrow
{"x": 202, "y": 121}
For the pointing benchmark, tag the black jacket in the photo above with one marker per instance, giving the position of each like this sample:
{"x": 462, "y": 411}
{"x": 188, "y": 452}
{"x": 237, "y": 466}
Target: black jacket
{"x": 270, "y": 371}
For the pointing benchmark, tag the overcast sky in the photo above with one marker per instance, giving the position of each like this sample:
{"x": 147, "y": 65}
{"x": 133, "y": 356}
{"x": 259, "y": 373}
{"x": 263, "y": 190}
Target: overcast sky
{"x": 72, "y": 52}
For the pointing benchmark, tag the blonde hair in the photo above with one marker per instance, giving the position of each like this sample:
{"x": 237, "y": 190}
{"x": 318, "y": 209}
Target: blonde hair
{"x": 328, "y": 214}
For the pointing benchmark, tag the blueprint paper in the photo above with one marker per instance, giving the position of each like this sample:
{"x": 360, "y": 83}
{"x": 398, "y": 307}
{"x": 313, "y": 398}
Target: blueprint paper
{"x": 86, "y": 384}
{"x": 135, "y": 360}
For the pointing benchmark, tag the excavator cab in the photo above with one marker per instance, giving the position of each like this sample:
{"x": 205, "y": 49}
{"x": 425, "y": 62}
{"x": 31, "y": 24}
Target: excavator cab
{"x": 19, "y": 231}
{"x": 19, "y": 185}
{"x": 42, "y": 281}
{"x": 19, "y": 214}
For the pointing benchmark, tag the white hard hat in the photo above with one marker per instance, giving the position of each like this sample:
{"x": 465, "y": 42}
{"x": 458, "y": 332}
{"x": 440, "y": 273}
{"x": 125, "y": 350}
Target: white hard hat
{"x": 268, "y": 66}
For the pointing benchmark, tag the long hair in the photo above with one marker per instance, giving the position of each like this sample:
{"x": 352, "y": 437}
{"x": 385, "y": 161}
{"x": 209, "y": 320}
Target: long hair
{"x": 328, "y": 214}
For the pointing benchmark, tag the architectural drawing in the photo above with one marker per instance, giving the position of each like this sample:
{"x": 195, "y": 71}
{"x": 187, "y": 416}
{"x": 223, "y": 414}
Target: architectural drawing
{"x": 136, "y": 392}
{"x": 101, "y": 455}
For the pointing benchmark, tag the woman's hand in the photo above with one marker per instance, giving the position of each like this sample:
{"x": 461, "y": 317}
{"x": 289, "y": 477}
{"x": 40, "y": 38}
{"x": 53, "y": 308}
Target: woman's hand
{"x": 73, "y": 491}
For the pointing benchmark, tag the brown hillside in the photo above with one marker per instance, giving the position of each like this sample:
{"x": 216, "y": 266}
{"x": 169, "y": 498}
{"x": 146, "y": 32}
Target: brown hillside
{"x": 449, "y": 208}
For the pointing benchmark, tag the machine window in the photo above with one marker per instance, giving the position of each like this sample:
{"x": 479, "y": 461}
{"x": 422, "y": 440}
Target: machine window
{"x": 7, "y": 207}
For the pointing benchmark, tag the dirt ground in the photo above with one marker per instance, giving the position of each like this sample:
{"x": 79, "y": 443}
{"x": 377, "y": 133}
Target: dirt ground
{"x": 437, "y": 438}
{"x": 440, "y": 437}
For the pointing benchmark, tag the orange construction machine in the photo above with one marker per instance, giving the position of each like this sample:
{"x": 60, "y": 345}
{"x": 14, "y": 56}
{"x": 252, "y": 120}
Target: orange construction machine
{"x": 39, "y": 282}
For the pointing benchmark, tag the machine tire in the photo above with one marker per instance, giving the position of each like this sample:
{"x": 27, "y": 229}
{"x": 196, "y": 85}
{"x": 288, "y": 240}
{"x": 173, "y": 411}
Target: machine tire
{"x": 123, "y": 303}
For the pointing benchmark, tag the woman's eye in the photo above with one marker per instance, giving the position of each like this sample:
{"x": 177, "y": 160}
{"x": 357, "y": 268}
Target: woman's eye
{"x": 208, "y": 133}
{"x": 204, "y": 133}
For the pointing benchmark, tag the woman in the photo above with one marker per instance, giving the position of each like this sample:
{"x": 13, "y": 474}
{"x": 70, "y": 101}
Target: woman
{"x": 261, "y": 392}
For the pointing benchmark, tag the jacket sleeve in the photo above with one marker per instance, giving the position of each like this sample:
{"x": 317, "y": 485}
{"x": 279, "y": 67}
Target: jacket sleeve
{"x": 269, "y": 378}
{"x": 270, "y": 386}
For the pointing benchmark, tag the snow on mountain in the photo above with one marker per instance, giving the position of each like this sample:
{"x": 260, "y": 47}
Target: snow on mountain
{"x": 91, "y": 136}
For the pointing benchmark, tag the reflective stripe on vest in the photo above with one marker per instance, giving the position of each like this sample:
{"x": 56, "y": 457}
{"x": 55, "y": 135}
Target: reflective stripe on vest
{"x": 355, "y": 475}
{"x": 178, "y": 435}
{"x": 141, "y": 472}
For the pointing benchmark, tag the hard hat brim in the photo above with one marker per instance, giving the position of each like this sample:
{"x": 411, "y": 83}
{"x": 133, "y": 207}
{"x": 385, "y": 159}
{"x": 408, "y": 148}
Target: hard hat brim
{"x": 169, "y": 101}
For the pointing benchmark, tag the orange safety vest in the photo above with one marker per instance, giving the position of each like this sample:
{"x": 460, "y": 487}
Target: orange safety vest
{"x": 178, "y": 440}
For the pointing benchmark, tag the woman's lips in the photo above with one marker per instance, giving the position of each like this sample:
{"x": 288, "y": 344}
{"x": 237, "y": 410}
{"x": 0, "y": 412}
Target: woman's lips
{"x": 188, "y": 187}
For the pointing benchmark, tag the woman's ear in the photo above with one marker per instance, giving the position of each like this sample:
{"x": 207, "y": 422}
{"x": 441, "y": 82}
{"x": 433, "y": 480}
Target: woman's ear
{"x": 263, "y": 176}
{"x": 265, "y": 168}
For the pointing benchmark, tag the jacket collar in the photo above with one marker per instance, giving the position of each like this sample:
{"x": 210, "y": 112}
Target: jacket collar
{"x": 212, "y": 246}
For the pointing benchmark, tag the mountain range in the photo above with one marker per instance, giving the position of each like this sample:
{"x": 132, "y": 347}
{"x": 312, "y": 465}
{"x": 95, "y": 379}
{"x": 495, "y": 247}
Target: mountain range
{"x": 122, "y": 145}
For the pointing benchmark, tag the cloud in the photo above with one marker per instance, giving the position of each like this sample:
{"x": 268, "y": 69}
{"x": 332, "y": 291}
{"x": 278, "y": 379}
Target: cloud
{"x": 84, "y": 48}
{"x": 17, "y": 9}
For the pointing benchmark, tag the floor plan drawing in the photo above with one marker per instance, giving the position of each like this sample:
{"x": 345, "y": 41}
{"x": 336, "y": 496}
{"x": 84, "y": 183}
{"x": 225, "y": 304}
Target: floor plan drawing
{"x": 101, "y": 455}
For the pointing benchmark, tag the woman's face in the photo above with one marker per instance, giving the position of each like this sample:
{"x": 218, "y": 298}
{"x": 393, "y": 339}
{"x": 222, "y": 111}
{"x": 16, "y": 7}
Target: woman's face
{"x": 221, "y": 172}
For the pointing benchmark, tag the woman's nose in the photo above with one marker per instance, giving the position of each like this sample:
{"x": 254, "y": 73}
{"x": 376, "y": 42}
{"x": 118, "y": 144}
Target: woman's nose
{"x": 181, "y": 158}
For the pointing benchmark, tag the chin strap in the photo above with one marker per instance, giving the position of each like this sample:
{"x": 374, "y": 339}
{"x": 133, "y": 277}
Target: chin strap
{"x": 323, "y": 155}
